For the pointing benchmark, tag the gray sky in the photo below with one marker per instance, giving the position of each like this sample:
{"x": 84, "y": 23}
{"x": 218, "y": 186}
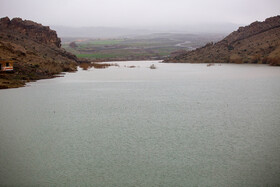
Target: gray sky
{"x": 126, "y": 13}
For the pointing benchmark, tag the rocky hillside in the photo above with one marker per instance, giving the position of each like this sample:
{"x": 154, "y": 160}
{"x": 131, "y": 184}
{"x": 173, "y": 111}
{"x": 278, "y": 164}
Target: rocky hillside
{"x": 257, "y": 43}
{"x": 35, "y": 51}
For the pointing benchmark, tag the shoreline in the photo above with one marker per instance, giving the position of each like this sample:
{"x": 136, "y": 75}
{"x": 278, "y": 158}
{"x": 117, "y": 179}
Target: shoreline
{"x": 10, "y": 80}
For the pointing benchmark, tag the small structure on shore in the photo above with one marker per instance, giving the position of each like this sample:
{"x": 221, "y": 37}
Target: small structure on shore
{"x": 6, "y": 65}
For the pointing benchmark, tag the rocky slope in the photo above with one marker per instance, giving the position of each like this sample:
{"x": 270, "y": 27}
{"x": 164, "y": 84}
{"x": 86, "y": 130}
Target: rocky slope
{"x": 257, "y": 43}
{"x": 35, "y": 51}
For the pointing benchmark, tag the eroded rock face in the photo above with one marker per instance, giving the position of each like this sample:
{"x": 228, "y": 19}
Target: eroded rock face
{"x": 34, "y": 49}
{"x": 38, "y": 32}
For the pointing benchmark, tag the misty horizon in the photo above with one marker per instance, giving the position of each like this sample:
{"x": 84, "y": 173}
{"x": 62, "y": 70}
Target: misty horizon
{"x": 104, "y": 32}
{"x": 140, "y": 14}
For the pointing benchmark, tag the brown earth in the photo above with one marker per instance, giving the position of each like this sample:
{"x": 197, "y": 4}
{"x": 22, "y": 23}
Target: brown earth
{"x": 35, "y": 50}
{"x": 257, "y": 43}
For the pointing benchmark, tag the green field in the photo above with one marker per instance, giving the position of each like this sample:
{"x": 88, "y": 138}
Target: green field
{"x": 106, "y": 42}
{"x": 97, "y": 56}
{"x": 155, "y": 46}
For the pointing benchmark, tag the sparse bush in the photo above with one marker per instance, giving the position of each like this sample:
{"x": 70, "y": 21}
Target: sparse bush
{"x": 230, "y": 47}
{"x": 100, "y": 66}
{"x": 264, "y": 60}
{"x": 274, "y": 61}
{"x": 131, "y": 66}
{"x": 73, "y": 45}
{"x": 256, "y": 59}
{"x": 85, "y": 66}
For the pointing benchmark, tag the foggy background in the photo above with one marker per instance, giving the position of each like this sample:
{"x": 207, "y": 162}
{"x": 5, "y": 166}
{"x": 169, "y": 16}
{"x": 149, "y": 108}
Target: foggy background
{"x": 72, "y": 17}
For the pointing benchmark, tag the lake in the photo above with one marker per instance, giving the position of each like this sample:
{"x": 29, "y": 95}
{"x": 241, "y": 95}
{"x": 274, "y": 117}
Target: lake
{"x": 176, "y": 125}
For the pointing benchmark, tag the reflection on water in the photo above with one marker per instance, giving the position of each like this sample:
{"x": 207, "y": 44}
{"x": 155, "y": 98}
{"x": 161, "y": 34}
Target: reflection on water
{"x": 177, "y": 125}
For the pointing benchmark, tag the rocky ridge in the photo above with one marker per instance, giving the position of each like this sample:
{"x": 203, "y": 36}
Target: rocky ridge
{"x": 257, "y": 43}
{"x": 35, "y": 31}
{"x": 35, "y": 50}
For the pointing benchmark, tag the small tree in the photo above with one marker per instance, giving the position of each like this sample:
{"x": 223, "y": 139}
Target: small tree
{"x": 73, "y": 45}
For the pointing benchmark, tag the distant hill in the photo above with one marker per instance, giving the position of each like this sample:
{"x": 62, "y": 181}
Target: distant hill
{"x": 35, "y": 50}
{"x": 97, "y": 32}
{"x": 257, "y": 43}
{"x": 115, "y": 32}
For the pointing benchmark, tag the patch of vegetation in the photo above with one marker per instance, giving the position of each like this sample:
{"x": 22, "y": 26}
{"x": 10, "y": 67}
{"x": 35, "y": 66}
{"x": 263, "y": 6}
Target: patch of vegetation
{"x": 230, "y": 47}
{"x": 86, "y": 66}
{"x": 105, "y": 42}
{"x": 97, "y": 56}
{"x": 148, "y": 47}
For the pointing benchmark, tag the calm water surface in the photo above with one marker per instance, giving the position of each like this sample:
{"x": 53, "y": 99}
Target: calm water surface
{"x": 177, "y": 125}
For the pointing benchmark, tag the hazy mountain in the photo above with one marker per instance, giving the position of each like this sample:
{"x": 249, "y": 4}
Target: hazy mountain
{"x": 97, "y": 32}
{"x": 113, "y": 32}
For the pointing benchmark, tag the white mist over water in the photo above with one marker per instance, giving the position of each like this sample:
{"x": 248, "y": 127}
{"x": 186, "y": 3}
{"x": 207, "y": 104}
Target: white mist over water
{"x": 177, "y": 125}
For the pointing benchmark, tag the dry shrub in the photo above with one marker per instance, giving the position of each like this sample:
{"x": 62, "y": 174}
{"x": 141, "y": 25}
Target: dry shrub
{"x": 85, "y": 66}
{"x": 256, "y": 59}
{"x": 52, "y": 69}
{"x": 238, "y": 61}
{"x": 265, "y": 60}
{"x": 131, "y": 66}
{"x": 100, "y": 66}
{"x": 235, "y": 58}
{"x": 274, "y": 61}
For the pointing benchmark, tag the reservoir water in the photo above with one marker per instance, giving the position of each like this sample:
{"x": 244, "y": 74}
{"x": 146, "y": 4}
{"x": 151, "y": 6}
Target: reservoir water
{"x": 177, "y": 125}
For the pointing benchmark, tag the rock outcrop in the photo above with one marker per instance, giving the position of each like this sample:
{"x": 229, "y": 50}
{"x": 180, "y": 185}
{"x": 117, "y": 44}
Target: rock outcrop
{"x": 35, "y": 51}
{"x": 35, "y": 31}
{"x": 257, "y": 43}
